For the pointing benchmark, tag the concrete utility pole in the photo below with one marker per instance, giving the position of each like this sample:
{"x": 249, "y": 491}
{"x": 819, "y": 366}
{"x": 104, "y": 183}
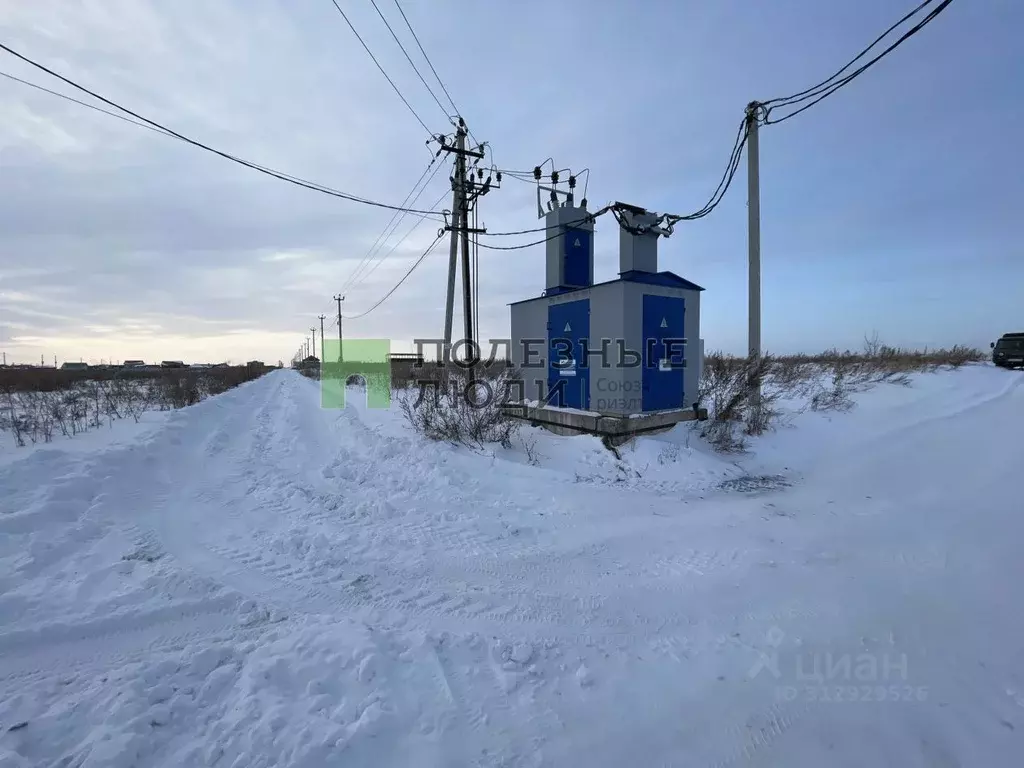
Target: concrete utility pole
{"x": 453, "y": 258}
{"x": 467, "y": 277}
{"x": 341, "y": 354}
{"x": 460, "y": 230}
{"x": 753, "y": 243}
{"x": 312, "y": 349}
{"x": 322, "y": 318}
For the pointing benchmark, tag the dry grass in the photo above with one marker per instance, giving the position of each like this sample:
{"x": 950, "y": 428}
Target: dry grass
{"x": 822, "y": 382}
{"x": 459, "y": 414}
{"x": 36, "y": 406}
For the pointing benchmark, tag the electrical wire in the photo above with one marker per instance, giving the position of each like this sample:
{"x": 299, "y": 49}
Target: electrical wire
{"x": 580, "y": 220}
{"x": 427, "y": 58}
{"x": 409, "y": 59}
{"x": 396, "y": 218}
{"x": 476, "y": 276}
{"x": 86, "y": 104}
{"x": 519, "y": 178}
{"x": 516, "y": 175}
{"x": 826, "y": 81}
{"x": 821, "y": 91}
{"x": 586, "y": 184}
{"x": 298, "y": 181}
{"x": 559, "y": 230}
{"x": 529, "y": 173}
{"x": 386, "y": 76}
{"x": 727, "y": 177}
{"x": 401, "y": 240}
{"x": 827, "y": 87}
{"x": 388, "y": 295}
{"x": 817, "y": 93}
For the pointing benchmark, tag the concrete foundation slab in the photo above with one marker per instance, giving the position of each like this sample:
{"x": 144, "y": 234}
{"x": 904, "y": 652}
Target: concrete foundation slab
{"x": 615, "y": 430}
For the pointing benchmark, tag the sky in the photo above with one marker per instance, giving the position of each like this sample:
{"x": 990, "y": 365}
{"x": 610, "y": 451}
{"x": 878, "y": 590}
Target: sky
{"x": 891, "y": 207}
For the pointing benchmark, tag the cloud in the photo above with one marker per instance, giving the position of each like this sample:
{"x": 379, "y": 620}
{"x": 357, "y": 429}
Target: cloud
{"x": 117, "y": 241}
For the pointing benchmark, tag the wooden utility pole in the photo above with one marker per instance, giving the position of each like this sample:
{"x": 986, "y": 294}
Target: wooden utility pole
{"x": 753, "y": 244}
{"x": 341, "y": 355}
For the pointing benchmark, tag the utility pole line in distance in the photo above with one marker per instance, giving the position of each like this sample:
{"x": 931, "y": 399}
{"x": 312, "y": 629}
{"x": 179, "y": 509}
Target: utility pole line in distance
{"x": 322, "y": 318}
{"x": 312, "y": 349}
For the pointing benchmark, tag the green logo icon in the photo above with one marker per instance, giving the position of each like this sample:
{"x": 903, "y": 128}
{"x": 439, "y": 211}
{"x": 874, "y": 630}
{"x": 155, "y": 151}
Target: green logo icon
{"x": 351, "y": 360}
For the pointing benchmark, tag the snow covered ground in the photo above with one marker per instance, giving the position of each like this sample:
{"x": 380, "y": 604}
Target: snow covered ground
{"x": 255, "y": 581}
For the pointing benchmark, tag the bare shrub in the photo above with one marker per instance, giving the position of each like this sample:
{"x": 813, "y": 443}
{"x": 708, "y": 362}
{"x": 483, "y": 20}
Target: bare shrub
{"x": 835, "y": 397}
{"x": 822, "y": 382}
{"x": 888, "y": 363}
{"x": 9, "y": 420}
{"x": 530, "y": 449}
{"x": 457, "y": 413}
{"x": 727, "y": 390}
{"x": 36, "y": 403}
{"x": 127, "y": 398}
{"x": 42, "y": 409}
{"x": 177, "y": 390}
{"x": 77, "y": 407}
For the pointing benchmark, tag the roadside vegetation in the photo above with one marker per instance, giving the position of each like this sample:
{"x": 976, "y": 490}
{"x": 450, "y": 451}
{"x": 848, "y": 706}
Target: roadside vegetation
{"x": 788, "y": 385}
{"x": 822, "y": 382}
{"x": 37, "y": 405}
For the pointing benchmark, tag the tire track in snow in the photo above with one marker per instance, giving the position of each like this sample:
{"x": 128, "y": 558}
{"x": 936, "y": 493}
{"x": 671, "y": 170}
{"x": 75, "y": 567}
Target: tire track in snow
{"x": 526, "y": 604}
{"x": 747, "y": 741}
{"x": 440, "y": 611}
{"x": 487, "y": 728}
{"x": 109, "y": 643}
{"x": 472, "y": 554}
{"x": 290, "y": 582}
{"x": 523, "y": 607}
{"x": 48, "y": 649}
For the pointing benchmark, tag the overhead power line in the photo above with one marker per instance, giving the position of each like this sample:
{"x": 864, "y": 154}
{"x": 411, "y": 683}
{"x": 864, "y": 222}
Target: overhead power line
{"x": 405, "y": 277}
{"x": 727, "y": 177}
{"x": 384, "y": 231}
{"x": 359, "y": 272}
{"x": 298, "y": 181}
{"x": 409, "y": 59}
{"x": 87, "y": 105}
{"x": 426, "y": 58}
{"x": 817, "y": 93}
{"x": 829, "y": 86}
{"x": 400, "y": 240}
{"x": 558, "y": 229}
{"x": 386, "y": 76}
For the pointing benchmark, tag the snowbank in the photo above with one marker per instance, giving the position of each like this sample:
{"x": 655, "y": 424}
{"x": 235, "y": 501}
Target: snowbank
{"x": 257, "y": 581}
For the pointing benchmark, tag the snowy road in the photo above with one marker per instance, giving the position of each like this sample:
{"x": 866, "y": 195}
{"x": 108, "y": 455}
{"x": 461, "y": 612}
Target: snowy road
{"x": 256, "y": 581}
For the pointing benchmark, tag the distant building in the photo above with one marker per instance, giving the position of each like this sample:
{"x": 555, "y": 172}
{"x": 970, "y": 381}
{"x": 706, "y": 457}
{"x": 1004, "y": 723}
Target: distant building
{"x": 173, "y": 364}
{"x": 75, "y": 367}
{"x": 134, "y": 363}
